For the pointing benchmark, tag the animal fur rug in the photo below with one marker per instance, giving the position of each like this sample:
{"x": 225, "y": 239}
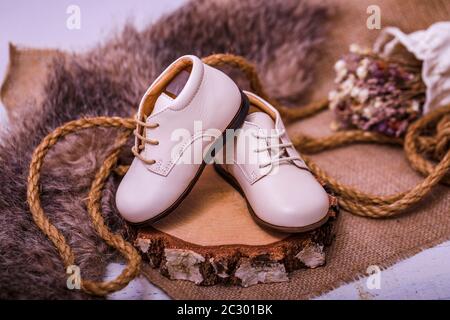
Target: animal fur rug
{"x": 279, "y": 36}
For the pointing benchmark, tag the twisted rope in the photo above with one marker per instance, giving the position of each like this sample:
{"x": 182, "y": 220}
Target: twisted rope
{"x": 94, "y": 199}
{"x": 419, "y": 146}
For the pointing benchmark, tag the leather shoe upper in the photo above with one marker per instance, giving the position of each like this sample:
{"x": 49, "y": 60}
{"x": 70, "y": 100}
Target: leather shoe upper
{"x": 275, "y": 180}
{"x": 186, "y": 108}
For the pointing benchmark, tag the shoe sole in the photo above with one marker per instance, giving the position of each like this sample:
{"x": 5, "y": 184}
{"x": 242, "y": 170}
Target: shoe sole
{"x": 236, "y": 123}
{"x": 235, "y": 184}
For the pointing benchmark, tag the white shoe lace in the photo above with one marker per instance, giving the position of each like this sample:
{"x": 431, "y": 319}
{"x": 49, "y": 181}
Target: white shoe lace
{"x": 281, "y": 156}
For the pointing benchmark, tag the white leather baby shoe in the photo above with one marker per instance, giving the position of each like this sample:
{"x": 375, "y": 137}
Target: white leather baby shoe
{"x": 181, "y": 117}
{"x": 267, "y": 170}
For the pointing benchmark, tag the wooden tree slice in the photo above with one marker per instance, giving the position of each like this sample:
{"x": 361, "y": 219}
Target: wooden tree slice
{"x": 211, "y": 238}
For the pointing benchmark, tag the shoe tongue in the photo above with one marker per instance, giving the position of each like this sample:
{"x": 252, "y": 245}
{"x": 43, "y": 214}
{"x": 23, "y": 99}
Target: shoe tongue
{"x": 162, "y": 102}
{"x": 262, "y": 120}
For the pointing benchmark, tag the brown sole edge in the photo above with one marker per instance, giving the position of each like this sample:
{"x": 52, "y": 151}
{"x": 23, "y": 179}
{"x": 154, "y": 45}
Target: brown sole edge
{"x": 235, "y": 184}
{"x": 237, "y": 121}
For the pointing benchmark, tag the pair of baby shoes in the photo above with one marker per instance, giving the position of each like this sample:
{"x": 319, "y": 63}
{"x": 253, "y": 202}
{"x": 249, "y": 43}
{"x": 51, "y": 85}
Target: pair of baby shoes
{"x": 193, "y": 115}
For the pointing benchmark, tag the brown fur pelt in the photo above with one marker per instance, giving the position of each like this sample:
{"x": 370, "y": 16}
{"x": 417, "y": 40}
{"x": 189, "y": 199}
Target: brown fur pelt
{"x": 279, "y": 36}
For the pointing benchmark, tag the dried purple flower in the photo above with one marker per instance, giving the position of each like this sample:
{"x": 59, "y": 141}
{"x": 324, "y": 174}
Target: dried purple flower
{"x": 376, "y": 94}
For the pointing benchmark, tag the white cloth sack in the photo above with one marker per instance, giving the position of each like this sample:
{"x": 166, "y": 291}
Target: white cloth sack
{"x": 432, "y": 47}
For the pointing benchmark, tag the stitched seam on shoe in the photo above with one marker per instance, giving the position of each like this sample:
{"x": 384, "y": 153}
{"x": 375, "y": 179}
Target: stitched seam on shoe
{"x": 250, "y": 179}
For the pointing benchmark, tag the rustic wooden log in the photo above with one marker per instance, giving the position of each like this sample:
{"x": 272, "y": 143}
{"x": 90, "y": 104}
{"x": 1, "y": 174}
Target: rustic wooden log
{"x": 211, "y": 239}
